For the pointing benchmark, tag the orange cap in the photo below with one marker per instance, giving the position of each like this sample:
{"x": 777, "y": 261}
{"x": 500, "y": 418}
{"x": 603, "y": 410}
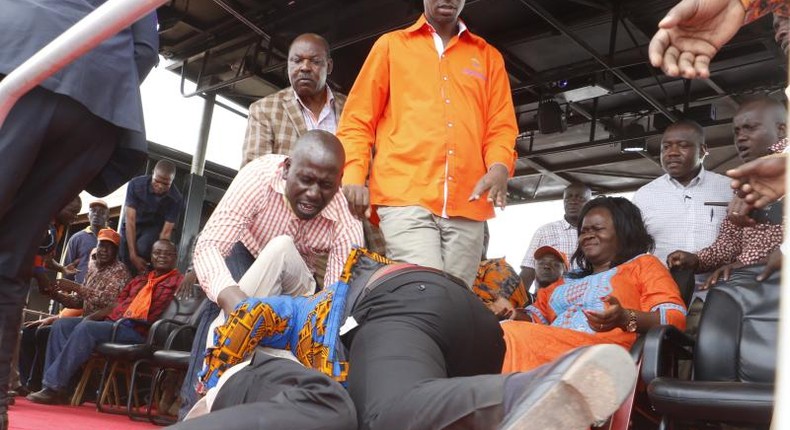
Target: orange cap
{"x": 543, "y": 250}
{"x": 110, "y": 235}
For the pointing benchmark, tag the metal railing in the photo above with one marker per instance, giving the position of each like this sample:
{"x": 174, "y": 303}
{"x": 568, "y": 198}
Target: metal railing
{"x": 101, "y": 24}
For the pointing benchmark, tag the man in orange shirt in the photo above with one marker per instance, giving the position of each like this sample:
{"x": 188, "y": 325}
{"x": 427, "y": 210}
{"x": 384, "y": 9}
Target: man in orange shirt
{"x": 433, "y": 103}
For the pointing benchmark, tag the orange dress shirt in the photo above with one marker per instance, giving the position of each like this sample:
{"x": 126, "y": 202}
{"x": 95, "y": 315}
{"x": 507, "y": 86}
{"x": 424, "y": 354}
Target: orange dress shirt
{"x": 429, "y": 119}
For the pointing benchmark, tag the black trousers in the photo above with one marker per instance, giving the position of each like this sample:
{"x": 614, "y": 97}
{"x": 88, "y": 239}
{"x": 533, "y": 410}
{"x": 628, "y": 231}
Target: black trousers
{"x": 32, "y": 351}
{"x": 50, "y": 149}
{"x": 426, "y": 355}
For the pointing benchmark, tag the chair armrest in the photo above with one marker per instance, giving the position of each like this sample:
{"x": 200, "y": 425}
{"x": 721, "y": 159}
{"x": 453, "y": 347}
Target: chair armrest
{"x": 664, "y": 346}
{"x": 174, "y": 335}
{"x": 134, "y": 322}
{"x": 159, "y": 325}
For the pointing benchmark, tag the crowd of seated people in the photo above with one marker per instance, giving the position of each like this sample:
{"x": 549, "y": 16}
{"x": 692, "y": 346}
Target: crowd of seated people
{"x": 388, "y": 340}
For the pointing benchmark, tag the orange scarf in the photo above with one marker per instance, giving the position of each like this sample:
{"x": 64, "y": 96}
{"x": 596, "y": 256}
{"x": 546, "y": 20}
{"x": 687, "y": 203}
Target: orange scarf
{"x": 138, "y": 309}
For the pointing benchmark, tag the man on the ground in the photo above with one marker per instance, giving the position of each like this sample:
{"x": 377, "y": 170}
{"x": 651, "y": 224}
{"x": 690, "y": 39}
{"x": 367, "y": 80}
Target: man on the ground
{"x": 152, "y": 209}
{"x": 399, "y": 336}
{"x": 561, "y": 235}
{"x": 72, "y": 340}
{"x": 440, "y": 164}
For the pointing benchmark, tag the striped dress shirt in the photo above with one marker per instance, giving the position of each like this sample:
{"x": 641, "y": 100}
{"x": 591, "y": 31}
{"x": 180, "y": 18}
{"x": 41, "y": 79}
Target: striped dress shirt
{"x": 254, "y": 210}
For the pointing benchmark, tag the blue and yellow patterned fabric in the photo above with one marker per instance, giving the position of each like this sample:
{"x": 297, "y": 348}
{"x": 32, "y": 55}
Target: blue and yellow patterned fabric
{"x": 307, "y": 326}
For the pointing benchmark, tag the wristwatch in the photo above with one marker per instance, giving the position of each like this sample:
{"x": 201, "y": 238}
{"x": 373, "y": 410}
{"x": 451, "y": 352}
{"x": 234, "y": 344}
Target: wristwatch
{"x": 630, "y": 326}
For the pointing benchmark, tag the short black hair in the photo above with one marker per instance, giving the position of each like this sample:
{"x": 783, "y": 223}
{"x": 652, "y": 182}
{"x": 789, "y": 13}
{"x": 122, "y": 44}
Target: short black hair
{"x": 317, "y": 37}
{"x": 694, "y": 125}
{"x": 632, "y": 236}
{"x": 165, "y": 167}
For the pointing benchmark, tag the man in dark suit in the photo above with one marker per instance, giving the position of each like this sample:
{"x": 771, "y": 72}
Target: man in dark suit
{"x": 82, "y": 128}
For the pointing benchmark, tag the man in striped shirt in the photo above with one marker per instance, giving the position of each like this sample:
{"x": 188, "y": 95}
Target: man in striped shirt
{"x": 282, "y": 212}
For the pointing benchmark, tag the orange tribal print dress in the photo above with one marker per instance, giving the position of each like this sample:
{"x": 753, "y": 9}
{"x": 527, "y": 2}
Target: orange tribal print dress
{"x": 560, "y": 325}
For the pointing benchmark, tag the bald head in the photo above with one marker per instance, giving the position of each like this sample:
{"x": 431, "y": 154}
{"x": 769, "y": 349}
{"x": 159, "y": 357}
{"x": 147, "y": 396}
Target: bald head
{"x": 311, "y": 38}
{"x": 313, "y": 173}
{"x": 758, "y": 124}
{"x": 574, "y": 197}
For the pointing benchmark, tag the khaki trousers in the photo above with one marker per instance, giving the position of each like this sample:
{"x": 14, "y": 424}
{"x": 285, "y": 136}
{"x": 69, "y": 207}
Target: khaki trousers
{"x": 413, "y": 234}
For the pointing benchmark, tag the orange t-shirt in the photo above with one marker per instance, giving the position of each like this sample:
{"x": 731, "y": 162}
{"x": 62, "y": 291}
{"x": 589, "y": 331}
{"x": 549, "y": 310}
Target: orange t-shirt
{"x": 436, "y": 124}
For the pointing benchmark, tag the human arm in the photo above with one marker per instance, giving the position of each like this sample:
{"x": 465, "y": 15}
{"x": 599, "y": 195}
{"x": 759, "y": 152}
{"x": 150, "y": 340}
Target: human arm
{"x": 258, "y": 138}
{"x": 101, "y": 314}
{"x": 499, "y": 141}
{"x": 62, "y": 286}
{"x": 358, "y": 123}
{"x": 138, "y": 262}
{"x": 167, "y": 230}
{"x": 761, "y": 181}
{"x": 660, "y": 301}
{"x": 691, "y": 34}
{"x": 724, "y": 250}
{"x": 146, "y": 45}
{"x": 233, "y": 216}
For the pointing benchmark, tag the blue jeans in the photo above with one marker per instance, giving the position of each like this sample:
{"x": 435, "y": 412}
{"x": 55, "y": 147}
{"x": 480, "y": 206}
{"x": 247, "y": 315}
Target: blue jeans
{"x": 71, "y": 343}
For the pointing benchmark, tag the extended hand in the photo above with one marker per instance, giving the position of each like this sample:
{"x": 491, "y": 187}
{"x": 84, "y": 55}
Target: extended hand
{"x": 502, "y": 308}
{"x": 612, "y": 317}
{"x": 722, "y": 273}
{"x": 691, "y": 33}
{"x": 738, "y": 212}
{"x": 683, "y": 260}
{"x": 71, "y": 269}
{"x": 358, "y": 198}
{"x": 761, "y": 181}
{"x": 495, "y": 183}
{"x": 773, "y": 264}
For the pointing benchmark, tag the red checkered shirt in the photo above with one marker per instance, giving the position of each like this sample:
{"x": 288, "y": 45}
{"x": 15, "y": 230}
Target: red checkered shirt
{"x": 254, "y": 210}
{"x": 161, "y": 297}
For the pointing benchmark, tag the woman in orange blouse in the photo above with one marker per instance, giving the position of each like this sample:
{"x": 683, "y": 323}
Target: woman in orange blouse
{"x": 619, "y": 292}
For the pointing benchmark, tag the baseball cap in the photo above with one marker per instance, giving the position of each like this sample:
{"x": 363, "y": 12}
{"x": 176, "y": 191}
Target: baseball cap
{"x": 110, "y": 235}
{"x": 98, "y": 202}
{"x": 544, "y": 250}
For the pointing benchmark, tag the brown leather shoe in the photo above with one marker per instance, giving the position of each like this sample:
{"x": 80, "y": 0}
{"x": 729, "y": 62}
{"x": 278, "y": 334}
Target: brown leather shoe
{"x": 47, "y": 396}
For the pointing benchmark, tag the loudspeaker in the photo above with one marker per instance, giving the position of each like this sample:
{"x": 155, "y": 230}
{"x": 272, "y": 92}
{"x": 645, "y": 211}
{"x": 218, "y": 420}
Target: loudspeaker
{"x": 550, "y": 119}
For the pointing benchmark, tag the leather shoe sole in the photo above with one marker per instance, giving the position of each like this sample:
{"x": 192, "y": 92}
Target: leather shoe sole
{"x": 46, "y": 397}
{"x": 587, "y": 391}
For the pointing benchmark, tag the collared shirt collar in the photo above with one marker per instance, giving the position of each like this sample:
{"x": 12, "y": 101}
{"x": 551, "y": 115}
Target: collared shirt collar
{"x": 330, "y": 98}
{"x": 692, "y": 183}
{"x": 566, "y": 225}
{"x": 278, "y": 185}
{"x": 422, "y": 22}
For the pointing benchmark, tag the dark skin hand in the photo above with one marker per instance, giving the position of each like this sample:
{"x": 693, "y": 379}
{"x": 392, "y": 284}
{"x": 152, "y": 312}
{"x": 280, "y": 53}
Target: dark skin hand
{"x": 615, "y": 316}
{"x": 761, "y": 181}
{"x": 773, "y": 264}
{"x": 738, "y": 212}
{"x": 722, "y": 273}
{"x": 683, "y": 260}
{"x": 185, "y": 288}
{"x": 502, "y": 308}
{"x": 495, "y": 183}
{"x": 358, "y": 197}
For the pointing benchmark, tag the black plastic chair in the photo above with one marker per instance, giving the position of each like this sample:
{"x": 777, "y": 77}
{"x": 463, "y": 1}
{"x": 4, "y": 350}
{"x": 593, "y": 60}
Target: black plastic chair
{"x": 734, "y": 357}
{"x": 119, "y": 357}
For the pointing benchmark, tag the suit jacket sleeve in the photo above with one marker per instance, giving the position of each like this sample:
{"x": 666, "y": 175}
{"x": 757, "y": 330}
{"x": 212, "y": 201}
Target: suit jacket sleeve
{"x": 146, "y": 45}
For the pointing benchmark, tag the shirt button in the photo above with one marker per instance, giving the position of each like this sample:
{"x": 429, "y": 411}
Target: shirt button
{"x": 450, "y": 178}
{"x": 447, "y": 101}
{"x": 449, "y": 124}
{"x": 451, "y": 152}
{"x": 444, "y": 77}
